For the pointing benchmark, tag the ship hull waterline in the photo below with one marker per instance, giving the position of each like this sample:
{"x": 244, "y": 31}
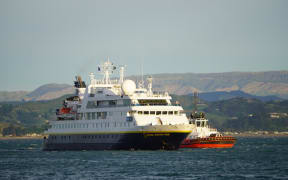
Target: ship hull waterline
{"x": 142, "y": 140}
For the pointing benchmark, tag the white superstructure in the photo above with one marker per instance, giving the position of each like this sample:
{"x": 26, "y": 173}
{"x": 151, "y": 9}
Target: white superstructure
{"x": 117, "y": 106}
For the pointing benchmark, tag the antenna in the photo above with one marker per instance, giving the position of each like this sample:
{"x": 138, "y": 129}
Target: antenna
{"x": 195, "y": 101}
{"x": 142, "y": 71}
{"x": 121, "y": 72}
{"x": 141, "y": 83}
{"x": 106, "y": 69}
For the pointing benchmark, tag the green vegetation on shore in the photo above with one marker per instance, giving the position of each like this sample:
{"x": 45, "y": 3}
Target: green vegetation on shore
{"x": 242, "y": 114}
{"x": 22, "y": 118}
{"x": 237, "y": 114}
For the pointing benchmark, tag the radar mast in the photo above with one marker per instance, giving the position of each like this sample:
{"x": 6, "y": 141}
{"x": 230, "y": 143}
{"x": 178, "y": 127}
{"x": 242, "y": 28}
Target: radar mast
{"x": 106, "y": 69}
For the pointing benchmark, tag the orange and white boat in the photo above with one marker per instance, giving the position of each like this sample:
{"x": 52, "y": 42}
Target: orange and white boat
{"x": 206, "y": 137}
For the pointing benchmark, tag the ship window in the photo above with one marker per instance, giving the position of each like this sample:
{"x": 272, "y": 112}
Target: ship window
{"x": 140, "y": 112}
{"x": 176, "y": 112}
{"x": 112, "y": 103}
{"x": 130, "y": 113}
{"x": 164, "y": 112}
{"x": 146, "y": 112}
{"x": 158, "y": 112}
{"x": 170, "y": 112}
{"x": 126, "y": 102}
{"x": 110, "y": 113}
{"x": 203, "y": 124}
{"x": 129, "y": 118}
{"x": 103, "y": 115}
{"x": 91, "y": 104}
{"x": 93, "y": 115}
{"x": 98, "y": 115}
{"x": 88, "y": 116}
{"x": 152, "y": 112}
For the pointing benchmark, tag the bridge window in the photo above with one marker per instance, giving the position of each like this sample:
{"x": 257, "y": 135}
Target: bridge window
{"x": 91, "y": 104}
{"x": 152, "y": 102}
{"x": 113, "y": 103}
{"x": 152, "y": 112}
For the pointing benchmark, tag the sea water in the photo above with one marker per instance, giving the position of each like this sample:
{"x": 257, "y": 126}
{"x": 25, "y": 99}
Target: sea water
{"x": 250, "y": 158}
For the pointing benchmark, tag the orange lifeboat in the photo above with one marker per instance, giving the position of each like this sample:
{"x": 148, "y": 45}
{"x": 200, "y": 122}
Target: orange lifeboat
{"x": 64, "y": 110}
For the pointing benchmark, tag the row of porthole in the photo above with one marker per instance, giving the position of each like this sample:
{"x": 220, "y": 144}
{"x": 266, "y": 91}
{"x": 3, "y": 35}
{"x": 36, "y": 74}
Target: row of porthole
{"x": 94, "y": 125}
{"x": 89, "y": 136}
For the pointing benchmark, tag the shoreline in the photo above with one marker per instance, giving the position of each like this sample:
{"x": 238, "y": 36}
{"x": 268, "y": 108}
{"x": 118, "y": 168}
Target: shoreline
{"x": 225, "y": 134}
{"x": 259, "y": 135}
{"x": 20, "y": 137}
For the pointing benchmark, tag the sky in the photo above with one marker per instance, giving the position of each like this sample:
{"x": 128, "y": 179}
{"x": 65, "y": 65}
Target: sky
{"x": 52, "y": 41}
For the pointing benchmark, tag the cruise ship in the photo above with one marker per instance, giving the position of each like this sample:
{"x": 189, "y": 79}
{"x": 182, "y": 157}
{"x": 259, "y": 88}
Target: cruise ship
{"x": 115, "y": 114}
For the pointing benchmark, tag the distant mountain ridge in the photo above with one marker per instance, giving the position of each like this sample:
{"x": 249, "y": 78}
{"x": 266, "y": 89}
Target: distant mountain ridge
{"x": 49, "y": 91}
{"x": 271, "y": 83}
{"x": 255, "y": 83}
{"x": 222, "y": 95}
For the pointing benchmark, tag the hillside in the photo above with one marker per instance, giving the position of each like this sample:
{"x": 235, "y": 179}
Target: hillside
{"x": 273, "y": 83}
{"x": 12, "y": 95}
{"x": 49, "y": 91}
{"x": 242, "y": 114}
{"x": 223, "y": 95}
{"x": 45, "y": 92}
{"x": 27, "y": 117}
{"x": 255, "y": 83}
{"x": 237, "y": 114}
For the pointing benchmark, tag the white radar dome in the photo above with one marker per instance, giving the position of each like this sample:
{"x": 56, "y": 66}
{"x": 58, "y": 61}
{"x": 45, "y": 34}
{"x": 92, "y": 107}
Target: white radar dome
{"x": 128, "y": 87}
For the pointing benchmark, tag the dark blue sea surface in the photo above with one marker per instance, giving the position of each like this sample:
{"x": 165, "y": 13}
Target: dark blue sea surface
{"x": 250, "y": 158}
